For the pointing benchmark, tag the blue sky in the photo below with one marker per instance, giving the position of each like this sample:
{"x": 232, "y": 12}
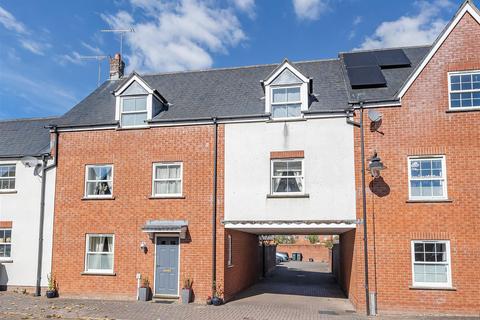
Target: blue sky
{"x": 41, "y": 41}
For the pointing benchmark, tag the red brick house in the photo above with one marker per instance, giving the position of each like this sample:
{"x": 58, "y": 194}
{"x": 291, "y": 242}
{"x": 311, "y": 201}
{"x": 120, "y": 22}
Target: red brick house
{"x": 423, "y": 211}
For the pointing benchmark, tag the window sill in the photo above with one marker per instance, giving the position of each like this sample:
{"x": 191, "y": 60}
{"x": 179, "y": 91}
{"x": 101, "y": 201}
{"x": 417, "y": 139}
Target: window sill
{"x": 165, "y": 197}
{"x": 97, "y": 198}
{"x": 432, "y": 288}
{"x": 6, "y": 260}
{"x": 108, "y": 274}
{"x": 430, "y": 201}
{"x": 8, "y": 191}
{"x": 280, "y": 196}
{"x": 463, "y": 110}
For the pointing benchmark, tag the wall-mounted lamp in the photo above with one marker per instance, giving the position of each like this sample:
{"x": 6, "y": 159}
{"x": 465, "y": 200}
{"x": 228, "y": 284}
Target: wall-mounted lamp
{"x": 143, "y": 247}
{"x": 375, "y": 166}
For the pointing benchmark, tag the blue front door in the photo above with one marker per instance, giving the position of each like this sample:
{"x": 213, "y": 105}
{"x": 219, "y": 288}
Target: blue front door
{"x": 166, "y": 265}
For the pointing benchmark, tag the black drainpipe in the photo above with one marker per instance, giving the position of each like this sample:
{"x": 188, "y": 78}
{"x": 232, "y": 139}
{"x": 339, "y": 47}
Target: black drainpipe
{"x": 214, "y": 208}
{"x": 45, "y": 168}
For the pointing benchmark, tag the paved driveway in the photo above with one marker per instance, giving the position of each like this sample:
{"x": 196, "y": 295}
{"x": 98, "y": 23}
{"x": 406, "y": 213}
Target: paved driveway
{"x": 294, "y": 286}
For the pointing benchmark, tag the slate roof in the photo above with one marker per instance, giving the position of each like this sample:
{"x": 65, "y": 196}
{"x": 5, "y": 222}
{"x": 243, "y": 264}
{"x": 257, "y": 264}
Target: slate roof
{"x": 24, "y": 137}
{"x": 237, "y": 92}
{"x": 395, "y": 77}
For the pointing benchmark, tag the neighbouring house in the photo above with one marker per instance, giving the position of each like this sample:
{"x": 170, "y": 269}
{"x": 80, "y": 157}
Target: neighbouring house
{"x": 423, "y": 211}
{"x": 172, "y": 176}
{"x": 23, "y": 143}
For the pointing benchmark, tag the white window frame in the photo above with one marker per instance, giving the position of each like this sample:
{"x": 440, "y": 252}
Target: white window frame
{"x": 154, "y": 179}
{"x": 272, "y": 161}
{"x": 444, "y": 177}
{"x": 8, "y": 178}
{"x": 86, "y": 195}
{"x": 87, "y": 246}
{"x": 7, "y": 243}
{"x": 230, "y": 253}
{"x": 448, "y": 263}
{"x": 122, "y": 98}
{"x": 460, "y": 73}
{"x": 299, "y": 102}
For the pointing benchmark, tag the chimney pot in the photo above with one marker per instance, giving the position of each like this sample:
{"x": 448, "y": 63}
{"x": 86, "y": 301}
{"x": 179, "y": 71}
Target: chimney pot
{"x": 117, "y": 67}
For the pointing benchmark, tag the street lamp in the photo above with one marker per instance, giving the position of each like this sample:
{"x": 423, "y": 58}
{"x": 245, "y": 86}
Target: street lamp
{"x": 375, "y": 166}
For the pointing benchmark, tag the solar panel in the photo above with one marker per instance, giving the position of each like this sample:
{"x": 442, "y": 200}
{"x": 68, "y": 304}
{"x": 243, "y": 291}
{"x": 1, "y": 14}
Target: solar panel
{"x": 392, "y": 58}
{"x": 358, "y": 59}
{"x": 367, "y": 76}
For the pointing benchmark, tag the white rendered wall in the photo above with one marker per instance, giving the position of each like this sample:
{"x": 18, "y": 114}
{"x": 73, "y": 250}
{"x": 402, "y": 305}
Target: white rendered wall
{"x": 329, "y": 170}
{"x": 23, "y": 209}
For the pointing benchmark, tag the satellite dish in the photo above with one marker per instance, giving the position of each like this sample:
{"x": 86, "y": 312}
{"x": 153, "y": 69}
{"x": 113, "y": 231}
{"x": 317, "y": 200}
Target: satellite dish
{"x": 374, "y": 115}
{"x": 29, "y": 162}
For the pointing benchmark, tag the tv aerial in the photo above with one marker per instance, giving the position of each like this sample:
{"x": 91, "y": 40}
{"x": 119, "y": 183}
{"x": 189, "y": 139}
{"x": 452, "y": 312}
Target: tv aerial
{"x": 121, "y": 32}
{"x": 99, "y": 60}
{"x": 32, "y": 162}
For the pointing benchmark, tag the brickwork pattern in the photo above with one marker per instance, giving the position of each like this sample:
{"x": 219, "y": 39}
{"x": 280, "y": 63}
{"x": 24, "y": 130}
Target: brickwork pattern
{"x": 422, "y": 126}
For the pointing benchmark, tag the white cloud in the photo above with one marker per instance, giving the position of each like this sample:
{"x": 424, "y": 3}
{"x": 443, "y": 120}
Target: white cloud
{"x": 24, "y": 35}
{"x": 95, "y": 50}
{"x": 247, "y": 6}
{"x": 34, "y": 46}
{"x": 10, "y": 23}
{"x": 176, "y": 36}
{"x": 74, "y": 58}
{"x": 309, "y": 9}
{"x": 422, "y": 28}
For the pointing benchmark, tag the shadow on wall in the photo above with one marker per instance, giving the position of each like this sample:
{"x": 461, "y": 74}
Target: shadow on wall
{"x": 3, "y": 278}
{"x": 379, "y": 187}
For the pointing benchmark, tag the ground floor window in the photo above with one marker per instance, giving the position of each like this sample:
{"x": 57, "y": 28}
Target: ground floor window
{"x": 5, "y": 243}
{"x": 99, "y": 253}
{"x": 230, "y": 262}
{"x": 431, "y": 263}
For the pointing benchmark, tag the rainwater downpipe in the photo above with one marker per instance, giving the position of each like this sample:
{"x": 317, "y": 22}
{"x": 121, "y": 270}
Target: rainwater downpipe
{"x": 214, "y": 208}
{"x": 45, "y": 168}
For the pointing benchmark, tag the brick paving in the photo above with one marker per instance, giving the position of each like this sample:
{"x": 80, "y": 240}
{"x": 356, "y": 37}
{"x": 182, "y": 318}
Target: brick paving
{"x": 294, "y": 291}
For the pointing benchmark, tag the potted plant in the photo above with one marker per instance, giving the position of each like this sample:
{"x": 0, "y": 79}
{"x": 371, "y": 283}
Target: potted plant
{"x": 52, "y": 286}
{"x": 209, "y": 301}
{"x": 187, "y": 291}
{"x": 217, "y": 295}
{"x": 144, "y": 292}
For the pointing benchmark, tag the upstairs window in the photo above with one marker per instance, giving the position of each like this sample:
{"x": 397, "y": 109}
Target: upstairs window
{"x": 133, "y": 111}
{"x": 286, "y": 102}
{"x": 287, "y": 176}
{"x": 431, "y": 263}
{"x": 99, "y": 181}
{"x": 7, "y": 177}
{"x": 464, "y": 90}
{"x": 5, "y": 243}
{"x": 167, "y": 179}
{"x": 427, "y": 178}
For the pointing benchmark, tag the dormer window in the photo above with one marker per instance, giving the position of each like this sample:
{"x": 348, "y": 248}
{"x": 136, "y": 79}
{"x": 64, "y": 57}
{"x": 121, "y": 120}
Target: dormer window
{"x": 286, "y": 102}
{"x": 134, "y": 111}
{"x": 137, "y": 103}
{"x": 286, "y": 92}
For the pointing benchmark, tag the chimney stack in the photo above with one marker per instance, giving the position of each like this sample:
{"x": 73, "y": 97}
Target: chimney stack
{"x": 117, "y": 67}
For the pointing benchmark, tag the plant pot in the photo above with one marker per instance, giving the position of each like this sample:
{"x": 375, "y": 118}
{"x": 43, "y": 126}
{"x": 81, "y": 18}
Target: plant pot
{"x": 209, "y": 301}
{"x": 144, "y": 294}
{"x": 51, "y": 293}
{"x": 216, "y": 301}
{"x": 186, "y": 295}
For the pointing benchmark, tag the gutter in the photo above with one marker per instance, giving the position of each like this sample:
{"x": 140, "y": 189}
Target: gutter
{"x": 214, "y": 208}
{"x": 45, "y": 168}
